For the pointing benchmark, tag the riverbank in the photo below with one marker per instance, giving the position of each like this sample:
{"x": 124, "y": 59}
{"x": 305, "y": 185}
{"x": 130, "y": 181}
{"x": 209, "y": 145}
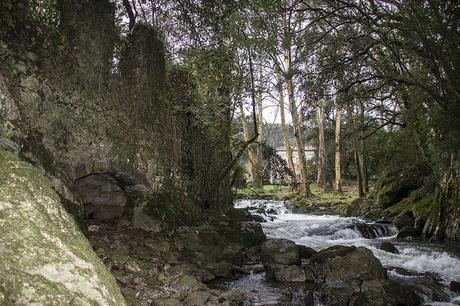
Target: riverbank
{"x": 322, "y": 202}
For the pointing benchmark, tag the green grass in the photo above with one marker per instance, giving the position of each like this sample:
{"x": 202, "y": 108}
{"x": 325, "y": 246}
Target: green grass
{"x": 279, "y": 192}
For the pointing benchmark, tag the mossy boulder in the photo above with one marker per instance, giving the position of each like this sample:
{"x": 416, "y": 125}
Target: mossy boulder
{"x": 44, "y": 258}
{"x": 364, "y": 207}
{"x": 394, "y": 186}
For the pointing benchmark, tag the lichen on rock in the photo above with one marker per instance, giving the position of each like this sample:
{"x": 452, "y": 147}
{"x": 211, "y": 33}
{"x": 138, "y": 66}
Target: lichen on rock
{"x": 44, "y": 258}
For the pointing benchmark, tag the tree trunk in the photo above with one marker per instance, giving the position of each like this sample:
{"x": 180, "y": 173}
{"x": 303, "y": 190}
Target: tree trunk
{"x": 131, "y": 16}
{"x": 362, "y": 151}
{"x": 304, "y": 185}
{"x": 354, "y": 140}
{"x": 284, "y": 127}
{"x": 321, "y": 179}
{"x": 258, "y": 181}
{"x": 338, "y": 156}
{"x": 247, "y": 137}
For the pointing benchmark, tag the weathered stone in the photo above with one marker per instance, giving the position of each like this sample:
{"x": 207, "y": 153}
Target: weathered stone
{"x": 371, "y": 230}
{"x": 407, "y": 232}
{"x": 258, "y": 218}
{"x": 234, "y": 295}
{"x": 197, "y": 298}
{"x": 252, "y": 232}
{"x": 8, "y": 109}
{"x": 288, "y": 274}
{"x": 306, "y": 252}
{"x": 141, "y": 220}
{"x": 158, "y": 244}
{"x": 280, "y": 251}
{"x": 388, "y": 247}
{"x": 454, "y": 286}
{"x": 404, "y": 219}
{"x": 44, "y": 258}
{"x": 102, "y": 196}
{"x": 187, "y": 282}
{"x": 332, "y": 252}
{"x": 30, "y": 82}
{"x": 167, "y": 302}
{"x": 341, "y": 264}
{"x": 353, "y": 276}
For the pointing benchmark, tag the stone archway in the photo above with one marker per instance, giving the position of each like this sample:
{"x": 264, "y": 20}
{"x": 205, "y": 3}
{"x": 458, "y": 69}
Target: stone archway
{"x": 104, "y": 194}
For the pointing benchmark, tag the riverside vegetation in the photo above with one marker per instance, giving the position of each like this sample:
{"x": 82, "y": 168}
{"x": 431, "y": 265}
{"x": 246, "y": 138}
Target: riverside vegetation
{"x": 128, "y": 128}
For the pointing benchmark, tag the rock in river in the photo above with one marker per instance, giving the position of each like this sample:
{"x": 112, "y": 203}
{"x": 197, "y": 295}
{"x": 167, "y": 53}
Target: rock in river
{"x": 388, "y": 247}
{"x": 280, "y": 251}
{"x": 354, "y": 276}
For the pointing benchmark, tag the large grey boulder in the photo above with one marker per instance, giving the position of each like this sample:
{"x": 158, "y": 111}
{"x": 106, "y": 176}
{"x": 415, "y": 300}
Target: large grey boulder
{"x": 354, "y": 276}
{"x": 44, "y": 258}
{"x": 281, "y": 259}
{"x": 280, "y": 251}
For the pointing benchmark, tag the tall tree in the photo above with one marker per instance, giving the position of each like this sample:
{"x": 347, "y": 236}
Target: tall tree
{"x": 338, "y": 155}
{"x": 258, "y": 179}
{"x": 284, "y": 127}
{"x": 321, "y": 178}
{"x": 289, "y": 76}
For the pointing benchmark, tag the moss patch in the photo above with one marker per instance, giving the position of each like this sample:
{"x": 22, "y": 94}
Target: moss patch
{"x": 44, "y": 258}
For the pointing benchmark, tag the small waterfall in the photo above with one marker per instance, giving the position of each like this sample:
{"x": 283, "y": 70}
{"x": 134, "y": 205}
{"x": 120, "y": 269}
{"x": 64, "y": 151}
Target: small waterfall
{"x": 374, "y": 230}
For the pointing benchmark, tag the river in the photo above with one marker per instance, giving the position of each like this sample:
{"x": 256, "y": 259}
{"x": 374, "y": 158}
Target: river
{"x": 322, "y": 231}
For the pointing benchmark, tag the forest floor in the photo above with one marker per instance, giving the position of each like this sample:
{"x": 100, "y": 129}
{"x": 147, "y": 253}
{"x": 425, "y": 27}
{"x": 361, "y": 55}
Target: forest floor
{"x": 322, "y": 202}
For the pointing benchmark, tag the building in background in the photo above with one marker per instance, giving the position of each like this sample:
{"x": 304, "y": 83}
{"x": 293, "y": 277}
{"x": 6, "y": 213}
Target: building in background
{"x": 309, "y": 151}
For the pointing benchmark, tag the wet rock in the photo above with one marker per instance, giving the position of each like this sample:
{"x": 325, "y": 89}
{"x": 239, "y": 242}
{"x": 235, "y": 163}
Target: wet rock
{"x": 344, "y": 264}
{"x": 239, "y": 215}
{"x": 197, "y": 298}
{"x": 388, "y": 247}
{"x": 258, "y": 218}
{"x": 281, "y": 259}
{"x": 404, "y": 219}
{"x": 423, "y": 284}
{"x": 252, "y": 232}
{"x": 225, "y": 270}
{"x": 357, "y": 263}
{"x": 288, "y": 274}
{"x": 280, "y": 251}
{"x": 332, "y": 252}
{"x": 385, "y": 220}
{"x": 353, "y": 276}
{"x": 371, "y": 230}
{"x": 306, "y": 252}
{"x": 385, "y": 292}
{"x": 407, "y": 232}
{"x": 454, "y": 286}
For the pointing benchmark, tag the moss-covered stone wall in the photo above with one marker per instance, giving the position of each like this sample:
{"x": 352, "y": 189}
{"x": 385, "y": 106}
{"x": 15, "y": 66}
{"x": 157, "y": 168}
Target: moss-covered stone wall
{"x": 71, "y": 107}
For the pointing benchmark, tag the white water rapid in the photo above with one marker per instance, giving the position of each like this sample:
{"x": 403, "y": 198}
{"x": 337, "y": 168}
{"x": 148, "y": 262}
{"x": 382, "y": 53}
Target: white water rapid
{"x": 322, "y": 231}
